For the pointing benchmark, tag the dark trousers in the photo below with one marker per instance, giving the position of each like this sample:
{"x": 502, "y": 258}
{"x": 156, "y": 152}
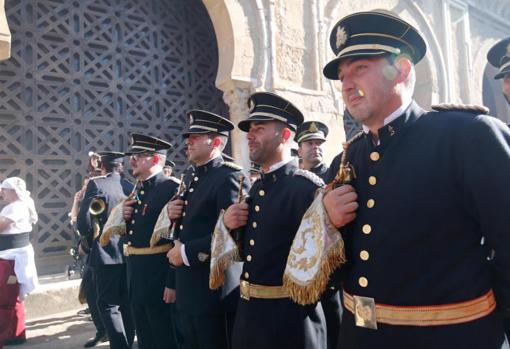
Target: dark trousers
{"x": 506, "y": 324}
{"x": 89, "y": 286}
{"x": 332, "y": 308}
{"x": 179, "y": 337}
{"x": 229, "y": 305}
{"x": 204, "y": 332}
{"x": 278, "y": 323}
{"x": 154, "y": 328}
{"x": 113, "y": 304}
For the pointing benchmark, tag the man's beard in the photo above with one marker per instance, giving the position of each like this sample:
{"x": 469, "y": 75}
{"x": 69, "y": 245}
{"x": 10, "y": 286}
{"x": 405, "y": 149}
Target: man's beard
{"x": 262, "y": 153}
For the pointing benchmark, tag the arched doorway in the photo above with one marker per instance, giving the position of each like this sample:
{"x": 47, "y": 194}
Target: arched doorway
{"x": 83, "y": 74}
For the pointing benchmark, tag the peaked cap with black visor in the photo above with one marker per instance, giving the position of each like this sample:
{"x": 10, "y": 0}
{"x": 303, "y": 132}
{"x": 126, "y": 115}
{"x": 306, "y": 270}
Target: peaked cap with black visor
{"x": 499, "y": 57}
{"x": 111, "y": 157}
{"x": 147, "y": 144}
{"x": 202, "y": 122}
{"x": 266, "y": 106}
{"x": 372, "y": 34}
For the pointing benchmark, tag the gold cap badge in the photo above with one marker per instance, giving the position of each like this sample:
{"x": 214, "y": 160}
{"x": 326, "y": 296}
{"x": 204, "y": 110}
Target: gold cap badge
{"x": 341, "y": 37}
{"x": 251, "y": 105}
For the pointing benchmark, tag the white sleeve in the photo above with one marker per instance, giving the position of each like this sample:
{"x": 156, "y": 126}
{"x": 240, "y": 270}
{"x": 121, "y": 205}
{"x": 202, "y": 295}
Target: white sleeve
{"x": 15, "y": 211}
{"x": 184, "y": 257}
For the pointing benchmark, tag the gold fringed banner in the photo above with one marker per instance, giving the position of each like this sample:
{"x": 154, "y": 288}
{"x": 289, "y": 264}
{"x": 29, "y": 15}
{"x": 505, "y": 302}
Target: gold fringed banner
{"x": 224, "y": 252}
{"x": 161, "y": 228}
{"x": 115, "y": 225}
{"x": 317, "y": 250}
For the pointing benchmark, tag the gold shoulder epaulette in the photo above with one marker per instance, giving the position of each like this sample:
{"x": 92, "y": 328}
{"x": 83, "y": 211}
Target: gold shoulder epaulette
{"x": 355, "y": 137}
{"x": 232, "y": 165}
{"x": 310, "y": 176}
{"x": 469, "y": 108}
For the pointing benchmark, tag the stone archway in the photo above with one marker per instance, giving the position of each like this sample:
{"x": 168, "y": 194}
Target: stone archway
{"x": 85, "y": 73}
{"x": 240, "y": 68}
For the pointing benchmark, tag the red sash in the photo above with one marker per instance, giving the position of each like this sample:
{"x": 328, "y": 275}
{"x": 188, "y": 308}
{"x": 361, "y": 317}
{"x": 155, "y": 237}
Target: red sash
{"x": 12, "y": 311}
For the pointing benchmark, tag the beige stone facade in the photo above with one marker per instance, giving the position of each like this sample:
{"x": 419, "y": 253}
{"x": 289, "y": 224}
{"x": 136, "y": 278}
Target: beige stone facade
{"x": 282, "y": 45}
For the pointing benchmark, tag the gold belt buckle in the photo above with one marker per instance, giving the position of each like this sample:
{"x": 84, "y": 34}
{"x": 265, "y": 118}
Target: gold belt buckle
{"x": 244, "y": 288}
{"x": 364, "y": 312}
{"x": 125, "y": 250}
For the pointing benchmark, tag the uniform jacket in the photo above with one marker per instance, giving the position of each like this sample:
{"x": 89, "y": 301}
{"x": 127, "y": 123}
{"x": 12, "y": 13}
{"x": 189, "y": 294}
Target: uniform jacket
{"x": 148, "y": 274}
{"x": 278, "y": 201}
{"x": 321, "y": 170}
{"x": 436, "y": 183}
{"x": 109, "y": 188}
{"x": 209, "y": 189}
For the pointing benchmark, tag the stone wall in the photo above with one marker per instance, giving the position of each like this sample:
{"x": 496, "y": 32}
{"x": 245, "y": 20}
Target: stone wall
{"x": 282, "y": 45}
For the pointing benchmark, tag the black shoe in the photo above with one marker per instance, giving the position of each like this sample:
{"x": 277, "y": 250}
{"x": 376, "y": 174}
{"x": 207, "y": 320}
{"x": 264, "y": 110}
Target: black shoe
{"x": 93, "y": 342}
{"x": 85, "y": 312}
{"x": 15, "y": 341}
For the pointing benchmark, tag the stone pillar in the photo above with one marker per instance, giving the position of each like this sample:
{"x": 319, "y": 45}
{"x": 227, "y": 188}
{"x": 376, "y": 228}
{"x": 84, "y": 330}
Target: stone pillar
{"x": 236, "y": 97}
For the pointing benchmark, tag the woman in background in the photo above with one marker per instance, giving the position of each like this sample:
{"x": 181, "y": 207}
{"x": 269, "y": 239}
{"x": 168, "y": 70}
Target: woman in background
{"x": 18, "y": 276}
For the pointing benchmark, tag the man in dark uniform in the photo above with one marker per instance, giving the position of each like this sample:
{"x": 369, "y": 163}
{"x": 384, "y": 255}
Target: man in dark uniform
{"x": 212, "y": 186}
{"x": 254, "y": 172}
{"x": 266, "y": 317}
{"x": 103, "y": 193}
{"x": 168, "y": 169}
{"x": 428, "y": 186}
{"x": 88, "y": 286}
{"x": 150, "y": 279}
{"x": 310, "y": 137}
{"x": 499, "y": 57}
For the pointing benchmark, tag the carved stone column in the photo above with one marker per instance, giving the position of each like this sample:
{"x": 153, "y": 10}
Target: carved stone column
{"x": 236, "y": 97}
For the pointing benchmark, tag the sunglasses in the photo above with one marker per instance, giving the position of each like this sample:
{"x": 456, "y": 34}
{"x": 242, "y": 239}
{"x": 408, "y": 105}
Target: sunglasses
{"x": 139, "y": 156}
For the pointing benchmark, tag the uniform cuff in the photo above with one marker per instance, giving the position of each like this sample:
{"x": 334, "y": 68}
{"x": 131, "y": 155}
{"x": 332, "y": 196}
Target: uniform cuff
{"x": 184, "y": 257}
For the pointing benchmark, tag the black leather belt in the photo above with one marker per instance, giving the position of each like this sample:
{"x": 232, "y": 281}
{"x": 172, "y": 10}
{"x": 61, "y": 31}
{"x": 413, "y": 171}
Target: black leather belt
{"x": 9, "y": 241}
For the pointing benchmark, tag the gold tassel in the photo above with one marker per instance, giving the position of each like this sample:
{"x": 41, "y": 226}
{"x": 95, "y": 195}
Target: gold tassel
{"x": 310, "y": 293}
{"x": 154, "y": 239}
{"x": 221, "y": 260}
{"x": 334, "y": 257}
{"x": 217, "y": 273}
{"x": 114, "y": 230}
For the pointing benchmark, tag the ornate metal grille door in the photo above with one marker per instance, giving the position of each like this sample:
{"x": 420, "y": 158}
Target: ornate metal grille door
{"x": 85, "y": 73}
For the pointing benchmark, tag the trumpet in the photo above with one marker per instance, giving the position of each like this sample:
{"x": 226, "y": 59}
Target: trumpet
{"x": 96, "y": 208}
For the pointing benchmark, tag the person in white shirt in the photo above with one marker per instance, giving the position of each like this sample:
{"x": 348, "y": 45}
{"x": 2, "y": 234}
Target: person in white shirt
{"x": 18, "y": 276}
